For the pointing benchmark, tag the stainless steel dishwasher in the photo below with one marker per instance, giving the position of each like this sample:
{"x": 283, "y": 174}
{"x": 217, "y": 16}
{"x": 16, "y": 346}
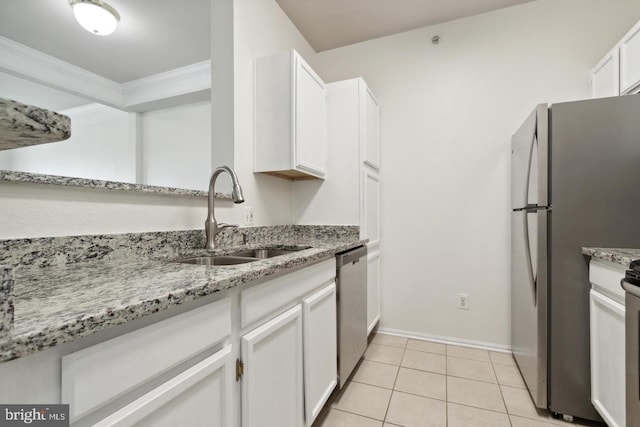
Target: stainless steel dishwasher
{"x": 351, "y": 281}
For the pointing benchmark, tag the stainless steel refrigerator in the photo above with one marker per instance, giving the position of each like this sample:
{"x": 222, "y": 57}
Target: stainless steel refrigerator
{"x": 575, "y": 172}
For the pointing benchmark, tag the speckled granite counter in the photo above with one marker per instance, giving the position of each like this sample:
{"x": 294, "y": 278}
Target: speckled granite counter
{"x": 68, "y": 288}
{"x": 6, "y": 301}
{"x": 23, "y": 125}
{"x": 37, "y": 178}
{"x": 622, "y": 256}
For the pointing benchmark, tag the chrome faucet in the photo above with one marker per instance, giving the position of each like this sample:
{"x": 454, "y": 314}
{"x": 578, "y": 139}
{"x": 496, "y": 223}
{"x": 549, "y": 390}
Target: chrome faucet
{"x": 211, "y": 225}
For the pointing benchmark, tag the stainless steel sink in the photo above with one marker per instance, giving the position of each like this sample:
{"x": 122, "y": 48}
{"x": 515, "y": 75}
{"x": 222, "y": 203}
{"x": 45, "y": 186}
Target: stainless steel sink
{"x": 241, "y": 257}
{"x": 216, "y": 260}
{"x": 265, "y": 253}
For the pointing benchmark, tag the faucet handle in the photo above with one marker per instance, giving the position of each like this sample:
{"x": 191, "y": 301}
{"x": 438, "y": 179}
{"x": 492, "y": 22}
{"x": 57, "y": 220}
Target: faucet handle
{"x": 224, "y": 225}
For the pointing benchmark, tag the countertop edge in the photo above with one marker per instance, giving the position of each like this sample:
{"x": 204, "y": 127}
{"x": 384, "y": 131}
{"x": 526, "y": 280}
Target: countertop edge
{"x": 99, "y": 184}
{"x": 621, "y": 256}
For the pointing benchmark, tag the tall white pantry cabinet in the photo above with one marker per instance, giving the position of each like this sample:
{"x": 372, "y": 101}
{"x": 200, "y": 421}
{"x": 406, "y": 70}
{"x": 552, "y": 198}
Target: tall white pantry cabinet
{"x": 618, "y": 73}
{"x": 350, "y": 193}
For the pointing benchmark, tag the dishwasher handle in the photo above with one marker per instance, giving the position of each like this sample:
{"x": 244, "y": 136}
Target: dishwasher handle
{"x": 352, "y": 255}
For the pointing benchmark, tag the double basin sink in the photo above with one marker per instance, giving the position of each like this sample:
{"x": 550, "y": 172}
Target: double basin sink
{"x": 241, "y": 257}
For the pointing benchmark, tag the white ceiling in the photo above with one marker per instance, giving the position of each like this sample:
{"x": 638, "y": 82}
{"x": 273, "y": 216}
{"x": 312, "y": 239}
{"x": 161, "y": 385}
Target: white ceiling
{"x": 328, "y": 24}
{"x": 153, "y": 35}
{"x": 160, "y": 35}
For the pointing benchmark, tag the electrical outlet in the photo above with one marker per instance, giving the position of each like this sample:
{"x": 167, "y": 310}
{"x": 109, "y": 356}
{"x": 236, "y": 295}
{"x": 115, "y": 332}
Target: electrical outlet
{"x": 463, "y": 301}
{"x": 248, "y": 215}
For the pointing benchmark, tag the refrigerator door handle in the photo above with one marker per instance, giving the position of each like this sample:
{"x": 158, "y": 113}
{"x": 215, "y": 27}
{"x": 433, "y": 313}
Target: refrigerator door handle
{"x": 527, "y": 250}
{"x": 532, "y": 146}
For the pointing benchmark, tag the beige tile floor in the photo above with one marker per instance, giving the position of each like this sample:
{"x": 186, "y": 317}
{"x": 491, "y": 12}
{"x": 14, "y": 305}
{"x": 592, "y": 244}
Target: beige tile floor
{"x": 405, "y": 382}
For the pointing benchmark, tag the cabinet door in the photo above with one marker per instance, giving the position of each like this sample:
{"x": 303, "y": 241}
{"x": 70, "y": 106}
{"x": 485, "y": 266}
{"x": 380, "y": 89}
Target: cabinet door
{"x": 130, "y": 360}
{"x": 272, "y": 388}
{"x": 200, "y": 396}
{"x": 605, "y": 77}
{"x": 373, "y": 287}
{"x": 370, "y": 206}
{"x": 371, "y": 143}
{"x": 320, "y": 350}
{"x": 607, "y": 358}
{"x": 630, "y": 61}
{"x": 310, "y": 146}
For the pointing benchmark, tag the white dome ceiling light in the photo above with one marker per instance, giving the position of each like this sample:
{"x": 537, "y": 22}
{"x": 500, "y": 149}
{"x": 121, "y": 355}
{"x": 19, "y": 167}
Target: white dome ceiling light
{"x": 95, "y": 16}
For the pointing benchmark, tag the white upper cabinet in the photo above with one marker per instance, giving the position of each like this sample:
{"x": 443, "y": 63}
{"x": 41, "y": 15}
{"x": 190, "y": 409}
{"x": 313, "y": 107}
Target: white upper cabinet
{"x": 605, "y": 77}
{"x": 353, "y": 147}
{"x": 290, "y": 118}
{"x": 630, "y": 61}
{"x": 618, "y": 73}
{"x": 371, "y": 140}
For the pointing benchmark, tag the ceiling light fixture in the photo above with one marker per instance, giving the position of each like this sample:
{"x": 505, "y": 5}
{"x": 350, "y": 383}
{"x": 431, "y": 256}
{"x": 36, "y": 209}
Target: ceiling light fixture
{"x": 95, "y": 16}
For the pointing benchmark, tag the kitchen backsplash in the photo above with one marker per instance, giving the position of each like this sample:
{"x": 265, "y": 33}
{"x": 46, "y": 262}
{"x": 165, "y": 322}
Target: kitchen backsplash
{"x": 60, "y": 251}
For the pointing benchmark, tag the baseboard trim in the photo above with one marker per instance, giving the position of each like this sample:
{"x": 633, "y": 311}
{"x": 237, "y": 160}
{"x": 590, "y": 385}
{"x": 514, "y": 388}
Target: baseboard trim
{"x": 446, "y": 340}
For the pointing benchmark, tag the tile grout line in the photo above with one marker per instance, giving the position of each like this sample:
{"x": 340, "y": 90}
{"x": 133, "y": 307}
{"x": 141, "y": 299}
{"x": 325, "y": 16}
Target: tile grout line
{"x": 357, "y": 415}
{"x": 446, "y": 388}
{"x": 447, "y": 355}
{"x": 393, "y": 389}
{"x": 501, "y": 395}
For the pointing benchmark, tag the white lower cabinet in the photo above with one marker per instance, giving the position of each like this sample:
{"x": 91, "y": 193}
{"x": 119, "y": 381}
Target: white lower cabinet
{"x": 320, "y": 349}
{"x": 100, "y": 375}
{"x": 272, "y": 384}
{"x": 607, "y": 334}
{"x": 186, "y": 370}
{"x": 290, "y": 359}
{"x": 373, "y": 287}
{"x": 200, "y": 396}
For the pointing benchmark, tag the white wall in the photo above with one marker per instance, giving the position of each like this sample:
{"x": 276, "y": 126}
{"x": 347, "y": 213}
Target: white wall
{"x": 177, "y": 146}
{"x": 447, "y": 114}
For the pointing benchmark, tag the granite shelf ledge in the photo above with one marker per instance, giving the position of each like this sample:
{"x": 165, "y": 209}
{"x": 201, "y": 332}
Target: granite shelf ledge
{"x": 622, "y": 256}
{"x": 23, "y": 125}
{"x": 36, "y": 178}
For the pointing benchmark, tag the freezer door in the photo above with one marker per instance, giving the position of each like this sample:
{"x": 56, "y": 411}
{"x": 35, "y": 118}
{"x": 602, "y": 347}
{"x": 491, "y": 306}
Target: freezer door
{"x": 529, "y": 299}
{"x": 529, "y": 161}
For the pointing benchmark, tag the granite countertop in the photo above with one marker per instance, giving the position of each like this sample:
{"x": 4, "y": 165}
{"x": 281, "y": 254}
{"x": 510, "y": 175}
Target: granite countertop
{"x": 23, "y": 125}
{"x": 56, "y": 304}
{"x": 68, "y": 181}
{"x": 622, "y": 256}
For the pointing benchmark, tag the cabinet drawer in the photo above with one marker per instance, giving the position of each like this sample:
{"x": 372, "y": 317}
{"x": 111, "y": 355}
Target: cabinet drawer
{"x": 267, "y": 298}
{"x": 198, "y": 396}
{"x": 605, "y": 278}
{"x": 101, "y": 373}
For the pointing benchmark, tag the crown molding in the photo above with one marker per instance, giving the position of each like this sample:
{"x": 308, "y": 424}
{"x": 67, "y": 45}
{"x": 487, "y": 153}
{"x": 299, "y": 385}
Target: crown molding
{"x": 192, "y": 78}
{"x": 181, "y": 85}
{"x": 25, "y": 62}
